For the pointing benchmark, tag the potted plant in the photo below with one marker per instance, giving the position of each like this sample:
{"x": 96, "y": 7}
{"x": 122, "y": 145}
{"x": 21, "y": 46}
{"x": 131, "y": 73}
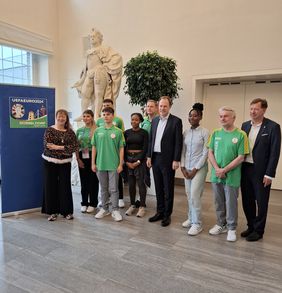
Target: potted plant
{"x": 150, "y": 76}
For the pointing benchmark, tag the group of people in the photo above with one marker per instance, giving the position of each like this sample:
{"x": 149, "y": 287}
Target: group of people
{"x": 245, "y": 158}
{"x": 103, "y": 151}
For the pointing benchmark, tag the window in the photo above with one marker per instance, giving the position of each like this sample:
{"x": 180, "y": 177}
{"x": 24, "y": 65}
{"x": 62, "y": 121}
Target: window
{"x": 15, "y": 66}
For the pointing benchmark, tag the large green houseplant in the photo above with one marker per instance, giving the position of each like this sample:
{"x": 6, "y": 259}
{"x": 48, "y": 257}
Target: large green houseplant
{"x": 150, "y": 76}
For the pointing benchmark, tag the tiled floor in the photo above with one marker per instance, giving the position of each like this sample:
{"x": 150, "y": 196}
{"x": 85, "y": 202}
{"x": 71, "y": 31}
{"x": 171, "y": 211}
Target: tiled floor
{"x": 89, "y": 255}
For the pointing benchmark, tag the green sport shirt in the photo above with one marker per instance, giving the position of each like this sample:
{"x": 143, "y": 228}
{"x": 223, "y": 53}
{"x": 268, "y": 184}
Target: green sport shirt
{"x": 117, "y": 121}
{"x": 108, "y": 142}
{"x": 146, "y": 124}
{"x": 83, "y": 137}
{"x": 226, "y": 147}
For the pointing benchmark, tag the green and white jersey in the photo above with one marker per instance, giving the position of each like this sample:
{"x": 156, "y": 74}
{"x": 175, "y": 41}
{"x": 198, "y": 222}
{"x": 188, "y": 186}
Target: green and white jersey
{"x": 107, "y": 142}
{"x": 226, "y": 147}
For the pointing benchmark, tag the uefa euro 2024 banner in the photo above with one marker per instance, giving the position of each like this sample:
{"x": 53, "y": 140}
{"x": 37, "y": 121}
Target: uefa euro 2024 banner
{"x": 28, "y": 112}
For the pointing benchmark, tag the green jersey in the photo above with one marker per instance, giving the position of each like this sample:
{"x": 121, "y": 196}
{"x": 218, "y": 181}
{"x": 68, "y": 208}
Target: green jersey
{"x": 108, "y": 142}
{"x": 117, "y": 121}
{"x": 84, "y": 137}
{"x": 226, "y": 147}
{"x": 146, "y": 124}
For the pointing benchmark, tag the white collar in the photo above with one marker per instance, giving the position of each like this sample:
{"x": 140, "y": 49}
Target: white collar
{"x": 164, "y": 118}
{"x": 256, "y": 125}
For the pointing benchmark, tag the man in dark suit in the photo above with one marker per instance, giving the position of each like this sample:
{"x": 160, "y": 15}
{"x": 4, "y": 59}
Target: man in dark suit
{"x": 259, "y": 168}
{"x": 164, "y": 154}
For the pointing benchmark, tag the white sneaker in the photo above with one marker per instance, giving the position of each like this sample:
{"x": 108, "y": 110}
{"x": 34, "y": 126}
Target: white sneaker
{"x": 83, "y": 209}
{"x": 195, "y": 230}
{"x": 141, "y": 212}
{"x": 101, "y": 214}
{"x": 186, "y": 224}
{"x": 121, "y": 203}
{"x": 117, "y": 216}
{"x": 216, "y": 230}
{"x": 90, "y": 209}
{"x": 231, "y": 235}
{"x": 130, "y": 211}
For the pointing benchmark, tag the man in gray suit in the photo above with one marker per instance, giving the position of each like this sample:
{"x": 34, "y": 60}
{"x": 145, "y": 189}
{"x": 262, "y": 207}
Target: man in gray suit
{"x": 259, "y": 168}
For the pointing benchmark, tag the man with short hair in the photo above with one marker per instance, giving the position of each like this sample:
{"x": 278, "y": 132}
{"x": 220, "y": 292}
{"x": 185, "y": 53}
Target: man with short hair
{"x": 151, "y": 112}
{"x": 227, "y": 148}
{"x": 164, "y": 154}
{"x": 117, "y": 121}
{"x": 259, "y": 168}
{"x": 107, "y": 160}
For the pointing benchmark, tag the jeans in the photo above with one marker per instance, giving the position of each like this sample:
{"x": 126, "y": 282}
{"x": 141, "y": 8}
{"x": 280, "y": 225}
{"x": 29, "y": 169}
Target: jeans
{"x": 226, "y": 205}
{"x": 137, "y": 176}
{"x": 194, "y": 189}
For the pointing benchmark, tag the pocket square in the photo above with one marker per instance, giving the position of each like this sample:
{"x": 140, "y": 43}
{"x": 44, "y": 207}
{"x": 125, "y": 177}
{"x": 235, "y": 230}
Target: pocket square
{"x": 264, "y": 134}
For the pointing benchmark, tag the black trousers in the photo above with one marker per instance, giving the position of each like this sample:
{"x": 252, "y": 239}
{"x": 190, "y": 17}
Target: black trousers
{"x": 164, "y": 183}
{"x": 57, "y": 189}
{"x": 120, "y": 186}
{"x": 255, "y": 198}
{"x": 89, "y": 184}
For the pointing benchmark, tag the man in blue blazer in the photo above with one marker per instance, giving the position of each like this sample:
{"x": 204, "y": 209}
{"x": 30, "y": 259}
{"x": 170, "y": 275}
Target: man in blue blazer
{"x": 259, "y": 168}
{"x": 164, "y": 154}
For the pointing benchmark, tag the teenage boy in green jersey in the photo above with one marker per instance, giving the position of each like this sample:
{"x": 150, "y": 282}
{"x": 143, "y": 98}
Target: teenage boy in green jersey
{"x": 107, "y": 160}
{"x": 227, "y": 149}
{"x": 118, "y": 122}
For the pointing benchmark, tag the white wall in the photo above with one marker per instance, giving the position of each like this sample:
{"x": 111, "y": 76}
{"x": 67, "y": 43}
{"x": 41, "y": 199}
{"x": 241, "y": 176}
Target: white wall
{"x": 204, "y": 37}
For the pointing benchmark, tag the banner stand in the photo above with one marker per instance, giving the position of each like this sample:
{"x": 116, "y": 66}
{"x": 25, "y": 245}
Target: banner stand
{"x": 25, "y": 112}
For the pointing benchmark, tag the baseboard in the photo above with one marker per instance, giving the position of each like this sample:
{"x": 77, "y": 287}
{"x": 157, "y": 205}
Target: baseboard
{"x": 17, "y": 213}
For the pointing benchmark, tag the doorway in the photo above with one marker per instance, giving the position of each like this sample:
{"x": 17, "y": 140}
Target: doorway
{"x": 238, "y": 96}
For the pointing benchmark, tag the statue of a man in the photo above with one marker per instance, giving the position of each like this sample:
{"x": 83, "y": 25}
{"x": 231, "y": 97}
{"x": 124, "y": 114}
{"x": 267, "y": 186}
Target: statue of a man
{"x": 101, "y": 77}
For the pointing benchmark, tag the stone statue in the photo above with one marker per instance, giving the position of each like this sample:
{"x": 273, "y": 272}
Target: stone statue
{"x": 101, "y": 77}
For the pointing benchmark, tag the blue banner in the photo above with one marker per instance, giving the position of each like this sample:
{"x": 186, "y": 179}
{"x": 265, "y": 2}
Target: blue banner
{"x": 22, "y": 113}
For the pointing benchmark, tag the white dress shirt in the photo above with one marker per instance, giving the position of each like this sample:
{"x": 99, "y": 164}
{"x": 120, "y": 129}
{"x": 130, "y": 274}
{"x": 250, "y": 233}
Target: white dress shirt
{"x": 159, "y": 133}
{"x": 252, "y": 139}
